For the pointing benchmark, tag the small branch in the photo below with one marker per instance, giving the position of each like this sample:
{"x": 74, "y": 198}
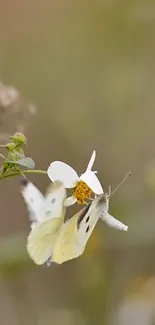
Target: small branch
{"x": 26, "y": 171}
{"x": 34, "y": 171}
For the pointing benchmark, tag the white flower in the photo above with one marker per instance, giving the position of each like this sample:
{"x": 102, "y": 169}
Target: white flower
{"x": 82, "y": 186}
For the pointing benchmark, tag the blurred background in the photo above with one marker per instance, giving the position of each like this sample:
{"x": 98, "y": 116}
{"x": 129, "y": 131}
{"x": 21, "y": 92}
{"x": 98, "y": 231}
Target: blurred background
{"x": 78, "y": 76}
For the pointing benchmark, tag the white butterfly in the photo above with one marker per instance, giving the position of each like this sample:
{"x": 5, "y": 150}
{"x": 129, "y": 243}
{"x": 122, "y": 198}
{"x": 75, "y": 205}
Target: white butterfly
{"x": 75, "y": 232}
{"x": 47, "y": 215}
{"x": 54, "y": 240}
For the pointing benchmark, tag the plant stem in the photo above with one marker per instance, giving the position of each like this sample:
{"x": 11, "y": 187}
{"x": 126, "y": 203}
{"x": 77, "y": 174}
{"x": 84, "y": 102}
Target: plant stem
{"x": 26, "y": 171}
{"x": 34, "y": 171}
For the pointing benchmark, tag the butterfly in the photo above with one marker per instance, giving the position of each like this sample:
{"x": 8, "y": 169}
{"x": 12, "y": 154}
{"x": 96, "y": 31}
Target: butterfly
{"x": 52, "y": 239}
{"x": 75, "y": 232}
{"x": 47, "y": 216}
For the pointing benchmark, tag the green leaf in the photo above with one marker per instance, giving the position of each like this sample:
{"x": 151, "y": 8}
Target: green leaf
{"x": 26, "y": 162}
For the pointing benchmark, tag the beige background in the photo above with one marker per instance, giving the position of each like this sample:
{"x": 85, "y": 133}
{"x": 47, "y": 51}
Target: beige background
{"x": 89, "y": 67}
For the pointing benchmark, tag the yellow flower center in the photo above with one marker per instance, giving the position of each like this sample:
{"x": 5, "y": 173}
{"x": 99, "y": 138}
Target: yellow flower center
{"x": 82, "y": 192}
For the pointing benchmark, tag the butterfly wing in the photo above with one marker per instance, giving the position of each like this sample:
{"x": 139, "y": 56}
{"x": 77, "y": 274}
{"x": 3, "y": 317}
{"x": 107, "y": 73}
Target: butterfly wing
{"x": 54, "y": 197}
{"x": 42, "y": 237}
{"x": 41, "y": 240}
{"x": 34, "y": 200}
{"x": 76, "y": 231}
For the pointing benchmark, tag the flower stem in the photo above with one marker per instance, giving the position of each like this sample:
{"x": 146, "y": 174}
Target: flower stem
{"x": 34, "y": 171}
{"x": 26, "y": 171}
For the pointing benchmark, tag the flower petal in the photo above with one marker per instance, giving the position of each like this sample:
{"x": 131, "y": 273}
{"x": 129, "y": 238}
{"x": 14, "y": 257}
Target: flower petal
{"x": 70, "y": 201}
{"x": 59, "y": 171}
{"x": 91, "y": 161}
{"x": 92, "y": 181}
{"x": 112, "y": 222}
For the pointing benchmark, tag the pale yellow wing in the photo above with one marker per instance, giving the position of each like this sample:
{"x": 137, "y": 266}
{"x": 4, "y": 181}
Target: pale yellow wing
{"x": 43, "y": 235}
{"x": 41, "y": 240}
{"x": 76, "y": 231}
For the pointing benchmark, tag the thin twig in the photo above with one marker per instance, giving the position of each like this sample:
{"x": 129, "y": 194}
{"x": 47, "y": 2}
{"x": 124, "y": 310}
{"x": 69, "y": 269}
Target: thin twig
{"x": 26, "y": 171}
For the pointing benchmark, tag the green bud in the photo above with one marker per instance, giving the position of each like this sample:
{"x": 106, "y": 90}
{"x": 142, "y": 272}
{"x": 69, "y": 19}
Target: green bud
{"x": 11, "y": 146}
{"x": 19, "y": 138}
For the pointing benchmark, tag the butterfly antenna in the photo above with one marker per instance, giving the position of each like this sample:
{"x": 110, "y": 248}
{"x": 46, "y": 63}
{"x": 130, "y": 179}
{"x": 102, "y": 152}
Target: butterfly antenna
{"x": 119, "y": 185}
